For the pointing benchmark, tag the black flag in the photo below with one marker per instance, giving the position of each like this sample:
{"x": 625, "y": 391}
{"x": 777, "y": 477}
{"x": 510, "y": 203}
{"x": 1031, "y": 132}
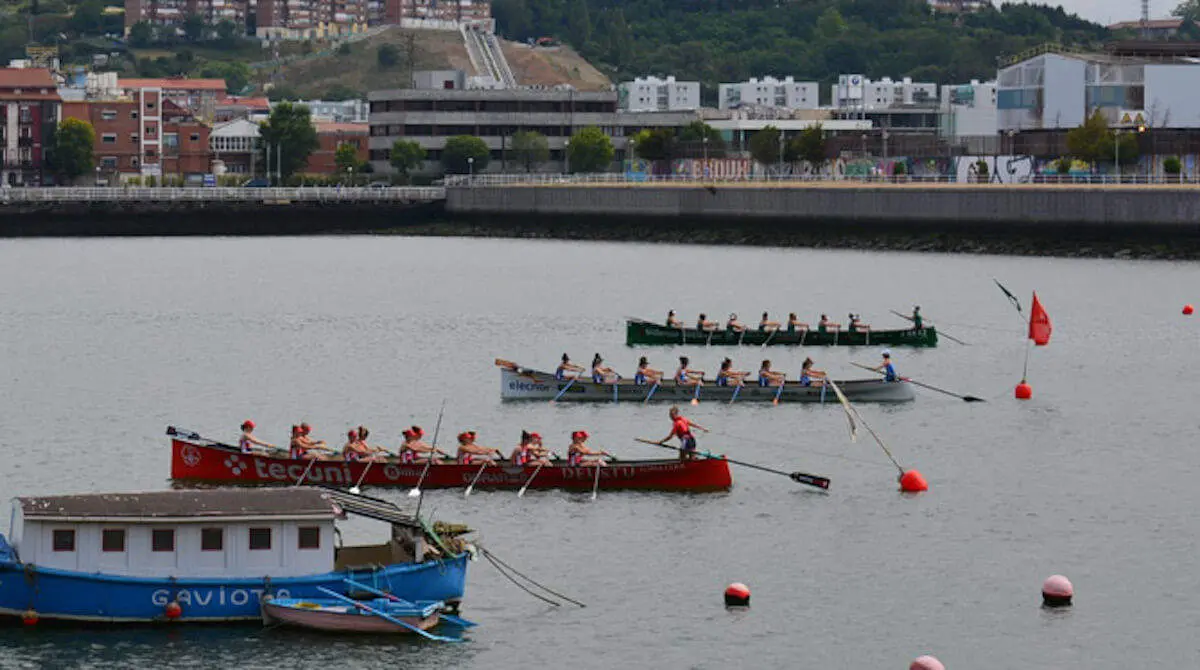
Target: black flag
{"x": 1012, "y": 298}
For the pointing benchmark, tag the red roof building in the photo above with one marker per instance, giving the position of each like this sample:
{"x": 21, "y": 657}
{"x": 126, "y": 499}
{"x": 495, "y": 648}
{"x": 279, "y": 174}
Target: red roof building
{"x": 329, "y": 137}
{"x": 199, "y": 96}
{"x": 30, "y": 108}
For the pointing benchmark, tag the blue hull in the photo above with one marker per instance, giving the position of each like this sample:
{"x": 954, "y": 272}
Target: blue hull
{"x": 79, "y": 596}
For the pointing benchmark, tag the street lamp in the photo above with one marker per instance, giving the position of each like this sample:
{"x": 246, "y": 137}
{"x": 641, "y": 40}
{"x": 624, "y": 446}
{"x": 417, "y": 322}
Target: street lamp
{"x": 97, "y": 175}
{"x": 567, "y": 156}
{"x": 351, "y": 171}
{"x": 470, "y": 166}
{"x": 705, "y": 141}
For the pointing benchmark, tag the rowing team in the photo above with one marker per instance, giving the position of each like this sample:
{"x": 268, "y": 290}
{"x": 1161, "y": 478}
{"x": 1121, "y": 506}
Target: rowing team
{"x": 726, "y": 375}
{"x": 854, "y": 324}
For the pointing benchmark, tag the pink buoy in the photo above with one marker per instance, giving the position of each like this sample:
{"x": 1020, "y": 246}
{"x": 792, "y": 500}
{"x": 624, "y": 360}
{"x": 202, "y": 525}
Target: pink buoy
{"x": 1057, "y": 591}
{"x": 926, "y": 663}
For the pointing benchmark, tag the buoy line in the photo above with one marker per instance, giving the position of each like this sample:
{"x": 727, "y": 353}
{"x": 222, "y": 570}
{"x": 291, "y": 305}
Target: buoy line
{"x": 795, "y": 448}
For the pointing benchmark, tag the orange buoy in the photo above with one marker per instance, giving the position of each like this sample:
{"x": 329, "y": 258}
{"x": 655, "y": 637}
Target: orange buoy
{"x": 737, "y": 594}
{"x": 1023, "y": 391}
{"x": 1188, "y": 309}
{"x": 926, "y": 663}
{"x": 912, "y": 482}
{"x": 173, "y": 610}
{"x": 29, "y": 618}
{"x": 1057, "y": 591}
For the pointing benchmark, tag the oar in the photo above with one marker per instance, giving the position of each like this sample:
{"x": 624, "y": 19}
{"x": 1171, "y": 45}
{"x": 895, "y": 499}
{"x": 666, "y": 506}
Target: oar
{"x": 799, "y": 477}
{"x": 596, "y": 484}
{"x": 383, "y": 615}
{"x": 521, "y": 493}
{"x": 696, "y": 395}
{"x": 741, "y": 337}
{"x": 769, "y": 336}
{"x": 940, "y": 332}
{"x": 779, "y": 392}
{"x": 416, "y": 490}
{"x": 852, "y": 410}
{"x": 355, "y": 489}
{"x": 736, "y": 389}
{"x": 477, "y": 475}
{"x": 965, "y": 398}
{"x": 708, "y": 342}
{"x": 564, "y": 389}
{"x": 651, "y": 393}
{"x": 303, "y": 476}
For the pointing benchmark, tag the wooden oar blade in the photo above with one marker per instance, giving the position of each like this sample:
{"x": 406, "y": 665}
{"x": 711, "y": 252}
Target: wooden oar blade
{"x": 971, "y": 398}
{"x": 811, "y": 480}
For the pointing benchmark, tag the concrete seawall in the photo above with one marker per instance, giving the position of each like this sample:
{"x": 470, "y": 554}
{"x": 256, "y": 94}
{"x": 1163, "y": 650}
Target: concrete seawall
{"x": 949, "y": 207}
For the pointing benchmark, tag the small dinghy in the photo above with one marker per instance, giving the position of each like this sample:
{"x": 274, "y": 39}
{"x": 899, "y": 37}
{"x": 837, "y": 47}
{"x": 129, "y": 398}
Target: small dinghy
{"x": 337, "y": 613}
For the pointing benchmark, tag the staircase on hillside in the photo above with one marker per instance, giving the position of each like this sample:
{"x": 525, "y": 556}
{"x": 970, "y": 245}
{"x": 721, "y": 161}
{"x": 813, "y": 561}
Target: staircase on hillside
{"x": 486, "y": 56}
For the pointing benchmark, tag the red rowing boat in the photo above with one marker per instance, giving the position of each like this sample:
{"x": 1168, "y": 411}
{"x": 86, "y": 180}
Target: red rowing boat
{"x": 198, "y": 460}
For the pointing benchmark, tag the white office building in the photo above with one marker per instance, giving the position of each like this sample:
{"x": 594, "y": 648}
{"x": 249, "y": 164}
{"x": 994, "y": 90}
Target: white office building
{"x": 854, "y": 91}
{"x": 651, "y": 94}
{"x": 1055, "y": 91}
{"x": 969, "y": 110}
{"x": 784, "y": 93}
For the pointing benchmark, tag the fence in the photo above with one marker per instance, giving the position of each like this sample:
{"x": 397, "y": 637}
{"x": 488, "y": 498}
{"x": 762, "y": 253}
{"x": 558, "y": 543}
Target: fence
{"x": 401, "y": 194}
{"x": 544, "y": 179}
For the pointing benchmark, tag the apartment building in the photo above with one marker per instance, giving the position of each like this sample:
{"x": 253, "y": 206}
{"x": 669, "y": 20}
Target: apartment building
{"x": 651, "y": 94}
{"x": 310, "y": 19}
{"x": 30, "y": 108}
{"x": 786, "y": 93}
{"x": 394, "y": 12}
{"x": 173, "y": 12}
{"x": 330, "y": 136}
{"x": 854, "y": 91}
{"x": 198, "y": 96}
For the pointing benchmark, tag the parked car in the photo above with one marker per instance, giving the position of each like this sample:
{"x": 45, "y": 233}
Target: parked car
{"x": 257, "y": 182}
{"x": 379, "y": 184}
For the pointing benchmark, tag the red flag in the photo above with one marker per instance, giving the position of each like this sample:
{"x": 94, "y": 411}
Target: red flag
{"x": 1039, "y": 323}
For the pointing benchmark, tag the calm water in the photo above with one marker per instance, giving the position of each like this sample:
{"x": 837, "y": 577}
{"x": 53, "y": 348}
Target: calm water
{"x": 105, "y": 342}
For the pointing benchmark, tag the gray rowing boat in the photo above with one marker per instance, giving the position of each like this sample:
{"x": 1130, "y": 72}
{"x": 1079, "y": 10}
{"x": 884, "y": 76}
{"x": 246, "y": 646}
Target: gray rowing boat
{"x": 519, "y": 383}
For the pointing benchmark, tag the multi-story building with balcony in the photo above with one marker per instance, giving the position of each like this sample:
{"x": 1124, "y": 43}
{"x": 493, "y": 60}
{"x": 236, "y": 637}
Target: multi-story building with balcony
{"x": 30, "y": 108}
{"x": 198, "y": 96}
{"x": 393, "y": 12}
{"x": 786, "y": 93}
{"x": 173, "y": 12}
{"x": 652, "y": 94}
{"x": 310, "y": 19}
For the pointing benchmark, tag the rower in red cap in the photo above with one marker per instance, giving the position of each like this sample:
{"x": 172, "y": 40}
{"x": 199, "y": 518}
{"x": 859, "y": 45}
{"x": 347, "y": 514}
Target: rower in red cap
{"x": 469, "y": 452}
{"x": 415, "y": 450}
{"x": 247, "y": 441}
{"x": 538, "y": 452}
{"x": 578, "y": 451}
{"x": 681, "y": 427}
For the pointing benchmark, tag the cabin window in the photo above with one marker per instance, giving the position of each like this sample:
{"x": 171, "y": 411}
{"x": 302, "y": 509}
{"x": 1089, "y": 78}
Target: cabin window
{"x": 113, "y": 539}
{"x": 310, "y": 537}
{"x": 212, "y": 539}
{"x": 260, "y": 539}
{"x": 64, "y": 540}
{"x": 162, "y": 539}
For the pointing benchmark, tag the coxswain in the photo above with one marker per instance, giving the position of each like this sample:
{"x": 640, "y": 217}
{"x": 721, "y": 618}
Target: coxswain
{"x": 918, "y": 322}
{"x": 733, "y": 325}
{"x": 646, "y": 374}
{"x": 810, "y": 376}
{"x": 768, "y": 377}
{"x": 686, "y": 376}
{"x": 704, "y": 324}
{"x": 247, "y": 441}
{"x": 565, "y": 367}
{"x": 673, "y": 321}
{"x": 825, "y": 325}
{"x": 727, "y": 376}
{"x": 469, "y": 452}
{"x": 602, "y": 374}
{"x": 886, "y": 367}
{"x": 681, "y": 427}
{"x": 794, "y": 323}
{"x": 767, "y": 325}
{"x": 578, "y": 452}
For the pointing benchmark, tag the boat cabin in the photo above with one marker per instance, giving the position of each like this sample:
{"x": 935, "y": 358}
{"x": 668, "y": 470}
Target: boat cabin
{"x": 271, "y": 532}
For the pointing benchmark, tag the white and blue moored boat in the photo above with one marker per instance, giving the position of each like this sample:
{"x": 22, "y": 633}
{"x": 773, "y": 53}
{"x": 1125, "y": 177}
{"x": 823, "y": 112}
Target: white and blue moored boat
{"x": 210, "y": 555}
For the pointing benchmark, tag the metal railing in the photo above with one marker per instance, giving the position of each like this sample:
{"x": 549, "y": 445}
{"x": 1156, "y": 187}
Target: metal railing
{"x": 222, "y": 194}
{"x": 546, "y": 179}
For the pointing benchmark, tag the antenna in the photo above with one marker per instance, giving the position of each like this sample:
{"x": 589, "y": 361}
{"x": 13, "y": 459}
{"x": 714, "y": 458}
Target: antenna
{"x": 1146, "y": 19}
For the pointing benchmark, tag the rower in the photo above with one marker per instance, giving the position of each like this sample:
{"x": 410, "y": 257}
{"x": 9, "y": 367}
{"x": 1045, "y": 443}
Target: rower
{"x": 523, "y": 453}
{"x": 733, "y": 325}
{"x": 414, "y": 450}
{"x": 602, "y": 374}
{"x": 704, "y": 324}
{"x": 560, "y": 373}
{"x": 810, "y": 376}
{"x": 825, "y": 325}
{"x": 297, "y": 447}
{"x": 538, "y": 451}
{"x": 681, "y": 427}
{"x": 375, "y": 453}
{"x": 766, "y": 324}
{"x": 673, "y": 321}
{"x": 307, "y": 444}
{"x": 727, "y": 376}
{"x": 578, "y": 452}
{"x": 856, "y": 324}
{"x": 354, "y": 449}
{"x": 886, "y": 367}
{"x": 794, "y": 323}
{"x": 768, "y": 377}
{"x": 469, "y": 452}
{"x": 646, "y": 374}
{"x": 918, "y": 322}
{"x": 685, "y": 376}
{"x": 247, "y": 441}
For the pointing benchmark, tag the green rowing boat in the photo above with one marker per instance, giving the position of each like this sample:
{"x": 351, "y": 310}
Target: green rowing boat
{"x": 638, "y": 332}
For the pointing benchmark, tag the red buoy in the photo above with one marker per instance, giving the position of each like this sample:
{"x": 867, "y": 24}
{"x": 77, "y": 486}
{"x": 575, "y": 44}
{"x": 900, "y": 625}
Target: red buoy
{"x": 1187, "y": 309}
{"x": 1024, "y": 391}
{"x": 737, "y": 594}
{"x": 173, "y": 610}
{"x": 29, "y": 618}
{"x": 1057, "y": 591}
{"x": 912, "y": 482}
{"x": 926, "y": 663}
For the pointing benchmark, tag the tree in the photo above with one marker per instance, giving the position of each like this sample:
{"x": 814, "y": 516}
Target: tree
{"x": 461, "y": 148}
{"x": 141, "y": 35}
{"x": 345, "y": 157}
{"x": 530, "y": 148}
{"x": 236, "y": 74}
{"x": 227, "y": 32}
{"x": 764, "y": 145}
{"x": 692, "y": 142}
{"x": 88, "y": 18}
{"x": 808, "y": 146}
{"x": 1172, "y": 166}
{"x": 1064, "y": 165}
{"x": 388, "y": 56}
{"x": 290, "y": 132}
{"x": 194, "y": 28}
{"x": 406, "y": 156}
{"x": 656, "y": 144}
{"x": 1188, "y": 10}
{"x": 72, "y": 152}
{"x": 1090, "y": 141}
{"x": 590, "y": 151}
